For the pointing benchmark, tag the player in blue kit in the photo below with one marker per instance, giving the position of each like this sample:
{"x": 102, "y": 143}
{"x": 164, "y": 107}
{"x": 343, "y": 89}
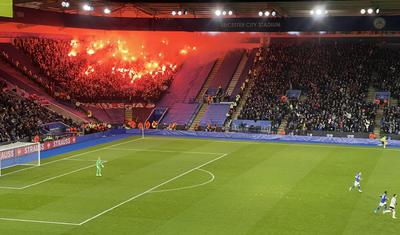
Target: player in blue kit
{"x": 356, "y": 182}
{"x": 382, "y": 202}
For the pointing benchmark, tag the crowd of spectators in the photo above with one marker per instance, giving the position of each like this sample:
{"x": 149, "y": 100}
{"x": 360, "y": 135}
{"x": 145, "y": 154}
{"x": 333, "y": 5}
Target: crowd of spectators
{"x": 333, "y": 78}
{"x": 386, "y": 77}
{"x": 385, "y": 61}
{"x": 264, "y": 100}
{"x": 390, "y": 123}
{"x": 21, "y": 118}
{"x": 77, "y": 78}
{"x": 89, "y": 128}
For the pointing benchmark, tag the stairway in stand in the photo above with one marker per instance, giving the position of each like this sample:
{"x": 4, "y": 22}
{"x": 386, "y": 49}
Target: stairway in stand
{"x": 379, "y": 111}
{"x": 199, "y": 99}
{"x": 394, "y": 102}
{"x": 242, "y": 101}
{"x": 371, "y": 94}
{"x": 237, "y": 74}
{"x": 210, "y": 77}
{"x": 128, "y": 115}
{"x": 282, "y": 126}
{"x": 199, "y": 116}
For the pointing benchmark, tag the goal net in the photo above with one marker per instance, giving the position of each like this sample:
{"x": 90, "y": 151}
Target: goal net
{"x": 17, "y": 154}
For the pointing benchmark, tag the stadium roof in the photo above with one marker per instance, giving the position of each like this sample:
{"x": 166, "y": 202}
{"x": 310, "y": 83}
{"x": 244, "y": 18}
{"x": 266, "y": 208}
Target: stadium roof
{"x": 206, "y": 9}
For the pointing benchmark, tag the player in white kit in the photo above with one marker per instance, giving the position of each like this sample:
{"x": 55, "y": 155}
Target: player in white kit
{"x": 392, "y": 207}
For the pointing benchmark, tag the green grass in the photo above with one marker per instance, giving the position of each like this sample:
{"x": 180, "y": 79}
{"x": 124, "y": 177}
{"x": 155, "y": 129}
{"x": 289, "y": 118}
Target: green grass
{"x": 256, "y": 188}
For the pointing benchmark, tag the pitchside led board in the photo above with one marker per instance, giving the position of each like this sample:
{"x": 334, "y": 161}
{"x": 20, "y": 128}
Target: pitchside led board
{"x": 6, "y": 8}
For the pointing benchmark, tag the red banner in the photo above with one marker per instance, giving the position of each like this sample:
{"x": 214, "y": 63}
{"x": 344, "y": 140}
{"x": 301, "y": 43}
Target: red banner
{"x": 118, "y": 105}
{"x": 57, "y": 143}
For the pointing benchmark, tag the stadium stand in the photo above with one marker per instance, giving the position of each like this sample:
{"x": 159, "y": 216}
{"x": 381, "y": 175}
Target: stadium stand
{"x": 384, "y": 61}
{"x": 140, "y": 114}
{"x": 180, "y": 97}
{"x": 334, "y": 78}
{"x": 390, "y": 123}
{"x": 215, "y": 115}
{"x": 187, "y": 83}
{"x": 24, "y": 76}
{"x": 116, "y": 115}
{"x": 105, "y": 112}
{"x": 24, "y": 64}
{"x": 227, "y": 69}
{"x": 21, "y": 118}
{"x": 286, "y": 65}
{"x": 157, "y": 114}
{"x": 245, "y": 72}
{"x": 180, "y": 113}
{"x": 90, "y": 83}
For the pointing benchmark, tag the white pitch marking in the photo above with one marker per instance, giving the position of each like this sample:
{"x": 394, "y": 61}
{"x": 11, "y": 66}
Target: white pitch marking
{"x": 162, "y": 151}
{"x": 118, "y": 205}
{"x": 318, "y": 145}
{"x": 151, "y": 189}
{"x": 39, "y": 221}
{"x": 188, "y": 187}
{"x": 8, "y": 187}
{"x": 79, "y": 154}
{"x": 58, "y": 176}
{"x": 48, "y": 179}
{"x": 80, "y": 160}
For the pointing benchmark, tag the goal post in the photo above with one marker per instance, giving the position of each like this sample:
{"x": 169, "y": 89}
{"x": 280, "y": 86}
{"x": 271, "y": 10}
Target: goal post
{"x": 19, "y": 154}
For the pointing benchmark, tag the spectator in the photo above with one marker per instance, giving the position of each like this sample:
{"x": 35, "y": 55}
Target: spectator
{"x": 20, "y": 118}
{"x": 333, "y": 78}
{"x": 76, "y": 78}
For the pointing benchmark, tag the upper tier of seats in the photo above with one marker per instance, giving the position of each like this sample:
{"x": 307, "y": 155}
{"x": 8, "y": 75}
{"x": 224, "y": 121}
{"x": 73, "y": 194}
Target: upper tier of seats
{"x": 87, "y": 80}
{"x": 24, "y": 64}
{"x": 21, "y": 118}
{"x": 15, "y": 76}
{"x": 187, "y": 82}
{"x": 227, "y": 69}
{"x": 245, "y": 72}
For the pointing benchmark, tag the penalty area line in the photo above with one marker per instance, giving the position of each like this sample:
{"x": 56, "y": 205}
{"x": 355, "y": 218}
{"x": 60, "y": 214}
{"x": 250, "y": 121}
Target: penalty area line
{"x": 116, "y": 206}
{"x": 151, "y": 189}
{"x": 72, "y": 156}
{"x": 39, "y": 221}
{"x": 163, "y": 151}
{"x": 46, "y": 180}
{"x": 49, "y": 179}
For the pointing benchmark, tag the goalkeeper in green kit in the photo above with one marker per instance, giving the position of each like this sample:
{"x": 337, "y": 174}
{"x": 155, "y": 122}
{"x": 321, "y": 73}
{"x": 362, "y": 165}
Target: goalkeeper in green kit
{"x": 99, "y": 165}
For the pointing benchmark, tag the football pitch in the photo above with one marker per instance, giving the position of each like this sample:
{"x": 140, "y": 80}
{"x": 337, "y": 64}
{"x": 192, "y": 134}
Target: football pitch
{"x": 162, "y": 185}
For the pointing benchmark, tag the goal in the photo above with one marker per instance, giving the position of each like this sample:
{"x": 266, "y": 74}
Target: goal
{"x": 17, "y": 154}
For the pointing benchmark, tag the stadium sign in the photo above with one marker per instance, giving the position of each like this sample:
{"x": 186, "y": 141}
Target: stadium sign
{"x": 57, "y": 143}
{"x": 119, "y": 105}
{"x": 246, "y": 26}
{"x": 7, "y": 154}
{"x": 278, "y": 24}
